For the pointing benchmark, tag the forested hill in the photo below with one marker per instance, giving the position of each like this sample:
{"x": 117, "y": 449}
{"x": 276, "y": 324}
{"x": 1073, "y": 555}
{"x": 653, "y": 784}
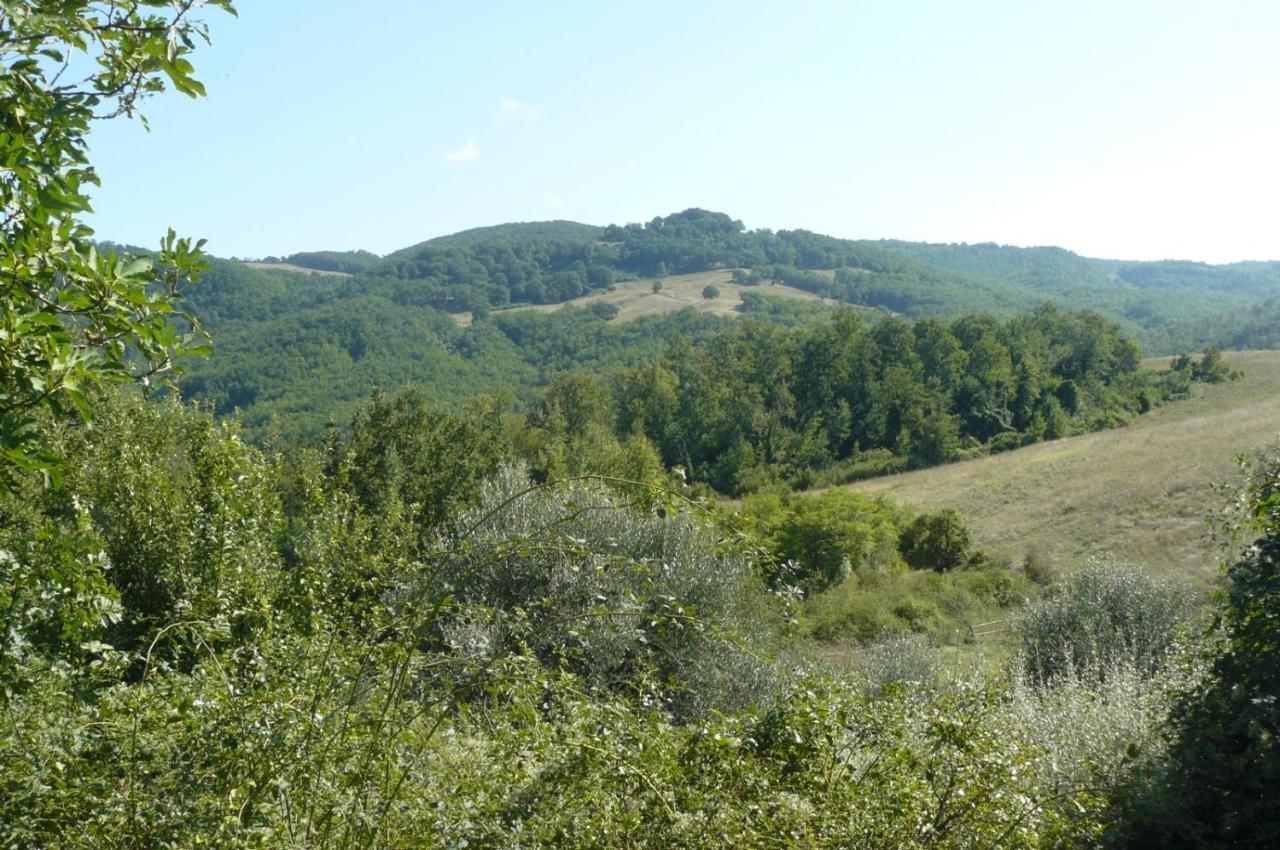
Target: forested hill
{"x": 555, "y": 261}
{"x": 509, "y": 234}
{"x": 301, "y": 348}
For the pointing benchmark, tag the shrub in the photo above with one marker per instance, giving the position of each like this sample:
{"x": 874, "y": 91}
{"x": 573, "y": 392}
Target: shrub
{"x": 819, "y": 540}
{"x": 941, "y": 605}
{"x": 604, "y": 310}
{"x": 938, "y": 541}
{"x": 180, "y": 515}
{"x": 1097, "y": 733}
{"x": 1211, "y": 368}
{"x": 1100, "y": 616}
{"x": 616, "y": 595}
{"x": 1006, "y": 441}
{"x": 897, "y": 658}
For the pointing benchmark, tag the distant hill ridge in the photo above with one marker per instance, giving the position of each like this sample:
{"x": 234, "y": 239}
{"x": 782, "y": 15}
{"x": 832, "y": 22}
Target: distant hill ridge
{"x": 298, "y": 348}
{"x": 554, "y": 261}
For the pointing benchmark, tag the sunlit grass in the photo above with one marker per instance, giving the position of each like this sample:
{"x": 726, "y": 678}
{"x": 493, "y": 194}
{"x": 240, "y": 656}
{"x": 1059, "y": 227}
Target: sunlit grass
{"x": 1144, "y": 492}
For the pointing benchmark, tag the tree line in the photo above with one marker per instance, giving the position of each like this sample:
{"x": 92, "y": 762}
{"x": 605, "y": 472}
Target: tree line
{"x": 758, "y": 405}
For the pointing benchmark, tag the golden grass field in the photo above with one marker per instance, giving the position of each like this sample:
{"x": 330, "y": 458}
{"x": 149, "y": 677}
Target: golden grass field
{"x": 636, "y": 298}
{"x": 290, "y": 267}
{"x": 1144, "y": 492}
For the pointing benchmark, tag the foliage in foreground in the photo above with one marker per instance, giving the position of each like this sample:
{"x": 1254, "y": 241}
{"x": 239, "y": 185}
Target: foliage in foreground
{"x": 1217, "y": 787}
{"x": 70, "y": 316}
{"x": 210, "y": 646}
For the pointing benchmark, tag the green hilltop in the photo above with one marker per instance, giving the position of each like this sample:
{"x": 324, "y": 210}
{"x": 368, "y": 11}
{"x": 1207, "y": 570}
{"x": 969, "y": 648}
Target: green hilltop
{"x": 299, "y": 349}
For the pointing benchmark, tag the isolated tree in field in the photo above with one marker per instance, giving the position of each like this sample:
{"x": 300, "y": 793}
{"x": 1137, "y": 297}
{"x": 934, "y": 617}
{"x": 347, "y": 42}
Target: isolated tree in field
{"x": 71, "y": 317}
{"x": 657, "y": 285}
{"x": 938, "y": 541}
{"x": 710, "y": 292}
{"x": 1211, "y": 368}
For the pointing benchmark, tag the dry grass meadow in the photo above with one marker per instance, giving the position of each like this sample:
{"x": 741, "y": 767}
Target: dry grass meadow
{"x": 636, "y": 298}
{"x": 1144, "y": 492}
{"x": 290, "y": 267}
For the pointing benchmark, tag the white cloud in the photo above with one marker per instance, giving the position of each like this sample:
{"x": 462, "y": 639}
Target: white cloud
{"x": 517, "y": 112}
{"x": 467, "y": 153}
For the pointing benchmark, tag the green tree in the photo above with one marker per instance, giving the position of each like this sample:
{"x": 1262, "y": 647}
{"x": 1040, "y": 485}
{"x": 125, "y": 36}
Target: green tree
{"x": 821, "y": 539}
{"x": 574, "y": 402}
{"x": 1211, "y": 368}
{"x": 710, "y": 291}
{"x": 405, "y": 459}
{"x": 939, "y": 438}
{"x": 938, "y": 541}
{"x": 71, "y": 317}
{"x": 1225, "y": 765}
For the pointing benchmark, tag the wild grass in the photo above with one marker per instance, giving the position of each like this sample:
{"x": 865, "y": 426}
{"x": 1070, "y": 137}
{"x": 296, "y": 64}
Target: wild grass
{"x": 1143, "y": 493}
{"x": 941, "y": 606}
{"x": 636, "y": 298}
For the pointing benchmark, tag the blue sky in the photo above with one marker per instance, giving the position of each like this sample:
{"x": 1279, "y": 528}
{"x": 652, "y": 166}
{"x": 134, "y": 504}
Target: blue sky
{"x": 1123, "y": 129}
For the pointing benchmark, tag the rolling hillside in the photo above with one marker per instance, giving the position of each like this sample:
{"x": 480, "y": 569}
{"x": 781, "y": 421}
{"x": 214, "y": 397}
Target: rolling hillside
{"x": 635, "y": 298}
{"x": 299, "y": 348}
{"x": 1168, "y": 305}
{"x": 1143, "y": 492}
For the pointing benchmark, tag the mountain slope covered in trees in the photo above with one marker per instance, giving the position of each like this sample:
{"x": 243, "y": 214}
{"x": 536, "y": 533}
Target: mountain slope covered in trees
{"x": 549, "y": 262}
{"x": 302, "y": 349}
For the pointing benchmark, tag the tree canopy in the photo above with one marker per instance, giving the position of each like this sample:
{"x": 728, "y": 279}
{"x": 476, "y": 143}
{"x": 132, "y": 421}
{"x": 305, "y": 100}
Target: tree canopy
{"x": 70, "y": 316}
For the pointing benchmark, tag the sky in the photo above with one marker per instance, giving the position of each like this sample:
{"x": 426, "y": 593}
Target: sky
{"x": 1131, "y": 130}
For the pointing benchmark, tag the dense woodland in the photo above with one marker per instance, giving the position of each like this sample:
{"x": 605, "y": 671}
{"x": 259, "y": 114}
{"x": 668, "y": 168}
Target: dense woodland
{"x": 758, "y": 405}
{"x": 296, "y": 351}
{"x": 509, "y": 608}
{"x": 738, "y": 404}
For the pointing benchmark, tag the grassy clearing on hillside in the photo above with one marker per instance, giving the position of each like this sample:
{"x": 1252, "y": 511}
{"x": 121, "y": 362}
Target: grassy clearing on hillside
{"x": 290, "y": 267}
{"x": 1143, "y": 492}
{"x": 636, "y": 298}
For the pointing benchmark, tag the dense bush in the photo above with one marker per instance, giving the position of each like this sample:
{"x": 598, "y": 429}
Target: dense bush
{"x": 1101, "y": 734}
{"x": 1217, "y": 786}
{"x": 554, "y": 664}
{"x": 941, "y": 605}
{"x": 1100, "y": 616}
{"x": 898, "y": 658}
{"x": 817, "y": 541}
{"x": 938, "y": 541}
{"x": 616, "y": 596}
